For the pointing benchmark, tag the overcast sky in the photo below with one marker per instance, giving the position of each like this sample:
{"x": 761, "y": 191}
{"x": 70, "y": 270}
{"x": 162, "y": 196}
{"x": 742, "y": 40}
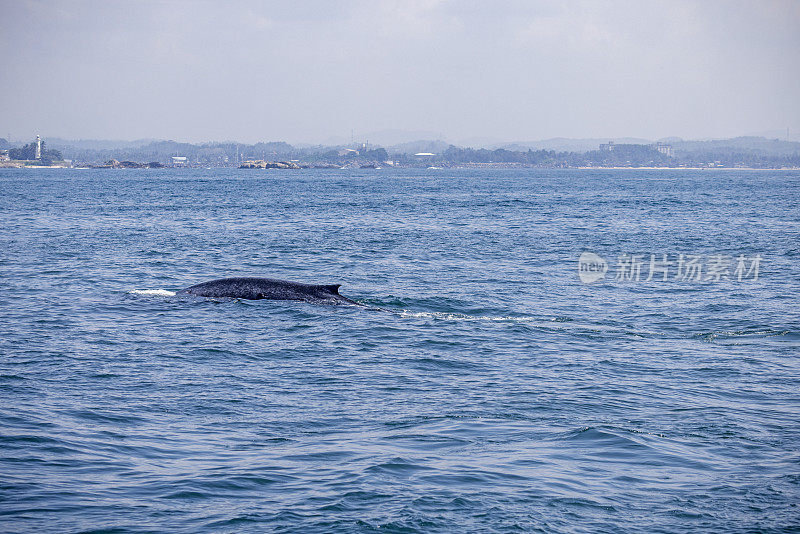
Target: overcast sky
{"x": 313, "y": 71}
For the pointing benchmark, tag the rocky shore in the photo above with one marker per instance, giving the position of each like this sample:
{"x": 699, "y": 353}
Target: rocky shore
{"x": 114, "y": 164}
{"x": 260, "y": 164}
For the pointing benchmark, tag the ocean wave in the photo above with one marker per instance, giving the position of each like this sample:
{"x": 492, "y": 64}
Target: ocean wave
{"x": 153, "y": 292}
{"x": 465, "y": 317}
{"x": 747, "y": 333}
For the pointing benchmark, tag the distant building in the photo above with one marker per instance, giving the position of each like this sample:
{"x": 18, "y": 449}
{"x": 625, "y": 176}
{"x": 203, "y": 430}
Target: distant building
{"x": 424, "y": 154}
{"x": 4, "y": 155}
{"x": 178, "y": 161}
{"x": 607, "y": 147}
{"x": 38, "y": 148}
{"x": 664, "y": 148}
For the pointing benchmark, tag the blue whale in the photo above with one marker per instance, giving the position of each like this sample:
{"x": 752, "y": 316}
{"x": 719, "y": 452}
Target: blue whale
{"x": 267, "y": 288}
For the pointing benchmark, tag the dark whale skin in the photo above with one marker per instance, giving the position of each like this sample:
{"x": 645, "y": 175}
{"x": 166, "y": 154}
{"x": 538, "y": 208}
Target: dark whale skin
{"x": 266, "y": 288}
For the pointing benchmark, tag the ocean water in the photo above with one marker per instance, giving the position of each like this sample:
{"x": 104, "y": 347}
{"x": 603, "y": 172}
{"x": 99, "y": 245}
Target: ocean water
{"x": 483, "y": 388}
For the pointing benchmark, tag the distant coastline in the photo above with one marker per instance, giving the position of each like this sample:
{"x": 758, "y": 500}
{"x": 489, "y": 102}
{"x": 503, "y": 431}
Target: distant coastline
{"x": 670, "y": 154}
{"x": 453, "y": 167}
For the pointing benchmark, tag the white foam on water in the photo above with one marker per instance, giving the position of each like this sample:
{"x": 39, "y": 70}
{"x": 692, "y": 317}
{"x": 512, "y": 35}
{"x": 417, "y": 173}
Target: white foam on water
{"x": 463, "y": 317}
{"x": 553, "y": 323}
{"x": 153, "y": 292}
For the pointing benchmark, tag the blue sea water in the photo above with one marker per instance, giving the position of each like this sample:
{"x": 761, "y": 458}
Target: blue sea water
{"x": 484, "y": 387}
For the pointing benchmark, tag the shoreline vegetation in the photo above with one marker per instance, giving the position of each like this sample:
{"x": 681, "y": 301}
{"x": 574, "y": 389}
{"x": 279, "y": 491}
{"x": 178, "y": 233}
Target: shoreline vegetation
{"x": 744, "y": 153}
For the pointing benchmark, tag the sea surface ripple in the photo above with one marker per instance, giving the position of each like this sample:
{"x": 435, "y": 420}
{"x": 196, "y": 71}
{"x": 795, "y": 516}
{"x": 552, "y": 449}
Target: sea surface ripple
{"x": 483, "y": 388}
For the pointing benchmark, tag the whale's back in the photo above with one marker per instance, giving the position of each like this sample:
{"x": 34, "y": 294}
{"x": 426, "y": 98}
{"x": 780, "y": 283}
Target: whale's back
{"x": 265, "y": 288}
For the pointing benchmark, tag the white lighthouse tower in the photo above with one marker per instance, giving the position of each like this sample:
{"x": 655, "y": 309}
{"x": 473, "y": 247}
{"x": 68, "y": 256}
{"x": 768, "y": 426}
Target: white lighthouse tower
{"x": 38, "y": 147}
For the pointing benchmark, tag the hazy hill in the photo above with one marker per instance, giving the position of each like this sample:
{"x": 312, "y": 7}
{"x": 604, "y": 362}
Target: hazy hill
{"x": 389, "y": 138}
{"x": 95, "y": 144}
{"x": 434, "y": 146}
{"x": 752, "y": 145}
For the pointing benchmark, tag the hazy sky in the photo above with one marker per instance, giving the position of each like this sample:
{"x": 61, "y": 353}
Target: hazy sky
{"x": 313, "y": 71}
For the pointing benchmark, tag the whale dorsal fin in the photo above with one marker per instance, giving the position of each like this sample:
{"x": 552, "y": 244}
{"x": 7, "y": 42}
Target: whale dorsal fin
{"x": 333, "y": 288}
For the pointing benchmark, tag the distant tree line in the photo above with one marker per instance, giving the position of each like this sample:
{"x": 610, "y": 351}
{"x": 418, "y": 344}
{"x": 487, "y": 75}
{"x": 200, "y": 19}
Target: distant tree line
{"x": 457, "y": 155}
{"x": 737, "y": 157}
{"x": 211, "y": 154}
{"x": 28, "y": 152}
{"x": 627, "y": 154}
{"x": 622, "y": 155}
